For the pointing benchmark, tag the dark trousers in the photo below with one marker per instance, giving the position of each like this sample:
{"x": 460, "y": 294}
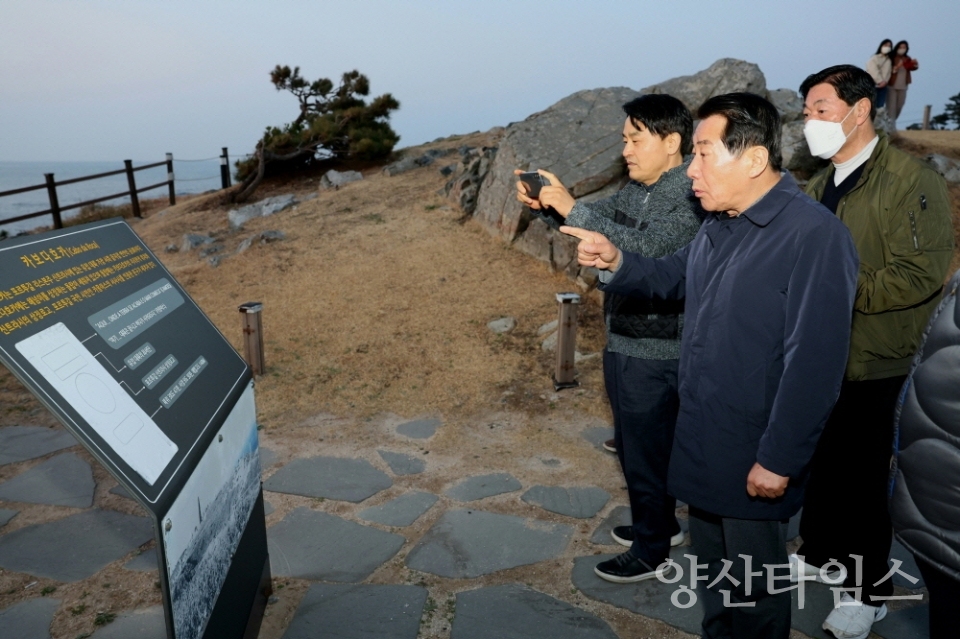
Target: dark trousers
{"x": 845, "y": 508}
{"x": 643, "y": 397}
{"x": 717, "y": 538}
{"x": 881, "y": 97}
{"x": 944, "y": 593}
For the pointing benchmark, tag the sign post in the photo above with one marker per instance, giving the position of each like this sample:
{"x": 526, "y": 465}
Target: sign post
{"x": 94, "y": 325}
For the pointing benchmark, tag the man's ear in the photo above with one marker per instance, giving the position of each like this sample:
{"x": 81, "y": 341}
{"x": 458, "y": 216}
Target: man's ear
{"x": 757, "y": 158}
{"x": 862, "y": 108}
{"x": 673, "y": 141}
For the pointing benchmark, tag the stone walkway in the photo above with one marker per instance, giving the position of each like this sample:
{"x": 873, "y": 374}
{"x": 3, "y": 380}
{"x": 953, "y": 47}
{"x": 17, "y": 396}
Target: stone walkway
{"x": 337, "y": 555}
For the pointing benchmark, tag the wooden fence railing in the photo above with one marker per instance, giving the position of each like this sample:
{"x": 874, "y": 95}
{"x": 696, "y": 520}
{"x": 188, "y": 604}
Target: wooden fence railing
{"x": 55, "y": 209}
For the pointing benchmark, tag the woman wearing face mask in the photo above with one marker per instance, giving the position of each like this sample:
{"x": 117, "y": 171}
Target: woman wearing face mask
{"x": 899, "y": 79}
{"x": 879, "y": 67}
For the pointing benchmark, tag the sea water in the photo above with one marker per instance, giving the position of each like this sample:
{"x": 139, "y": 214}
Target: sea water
{"x": 189, "y": 177}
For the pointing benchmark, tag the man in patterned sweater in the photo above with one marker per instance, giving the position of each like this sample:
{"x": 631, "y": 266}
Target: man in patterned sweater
{"x": 655, "y": 214}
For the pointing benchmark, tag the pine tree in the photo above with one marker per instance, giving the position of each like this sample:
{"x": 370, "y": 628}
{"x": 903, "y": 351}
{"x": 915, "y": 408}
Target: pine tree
{"x": 334, "y": 122}
{"x": 952, "y": 111}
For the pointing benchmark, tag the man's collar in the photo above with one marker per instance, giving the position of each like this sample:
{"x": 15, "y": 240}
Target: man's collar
{"x": 764, "y": 210}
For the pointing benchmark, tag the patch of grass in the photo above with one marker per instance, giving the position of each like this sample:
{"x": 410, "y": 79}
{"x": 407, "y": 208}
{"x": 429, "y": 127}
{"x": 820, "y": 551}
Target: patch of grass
{"x": 376, "y": 218}
{"x": 431, "y": 207}
{"x": 48, "y": 590}
{"x": 78, "y": 610}
{"x": 103, "y": 618}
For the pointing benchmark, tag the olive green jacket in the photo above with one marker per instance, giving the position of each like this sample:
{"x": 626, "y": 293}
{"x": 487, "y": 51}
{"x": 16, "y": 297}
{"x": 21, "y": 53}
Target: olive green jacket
{"x": 899, "y": 216}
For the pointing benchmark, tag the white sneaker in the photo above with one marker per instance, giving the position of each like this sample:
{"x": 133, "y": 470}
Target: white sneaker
{"x": 852, "y": 619}
{"x": 799, "y": 566}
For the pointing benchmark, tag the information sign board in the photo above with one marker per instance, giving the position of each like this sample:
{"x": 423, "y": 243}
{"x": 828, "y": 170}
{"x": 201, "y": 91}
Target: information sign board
{"x": 106, "y": 338}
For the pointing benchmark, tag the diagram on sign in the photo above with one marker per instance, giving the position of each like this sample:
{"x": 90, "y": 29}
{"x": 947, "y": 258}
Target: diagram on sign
{"x": 85, "y": 384}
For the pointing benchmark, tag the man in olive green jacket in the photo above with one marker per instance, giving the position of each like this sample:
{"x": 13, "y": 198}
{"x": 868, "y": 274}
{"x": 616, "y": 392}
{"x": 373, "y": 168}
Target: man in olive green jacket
{"x": 898, "y": 211}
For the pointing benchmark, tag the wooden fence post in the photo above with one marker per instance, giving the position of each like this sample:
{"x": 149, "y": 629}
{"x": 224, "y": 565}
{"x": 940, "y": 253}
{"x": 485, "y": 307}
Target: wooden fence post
{"x": 565, "y": 374}
{"x": 225, "y": 169}
{"x": 926, "y": 118}
{"x": 54, "y": 200}
{"x": 132, "y": 183}
{"x": 173, "y": 195}
{"x": 253, "y": 336}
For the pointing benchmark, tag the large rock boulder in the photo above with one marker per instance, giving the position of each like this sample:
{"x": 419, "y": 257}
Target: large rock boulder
{"x": 949, "y": 169}
{"x": 726, "y": 75}
{"x": 467, "y": 175}
{"x": 796, "y": 153}
{"x": 578, "y": 139}
{"x": 788, "y": 103}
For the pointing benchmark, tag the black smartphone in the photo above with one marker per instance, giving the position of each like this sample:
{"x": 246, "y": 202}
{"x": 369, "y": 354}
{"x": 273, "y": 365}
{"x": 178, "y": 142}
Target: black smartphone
{"x": 534, "y": 181}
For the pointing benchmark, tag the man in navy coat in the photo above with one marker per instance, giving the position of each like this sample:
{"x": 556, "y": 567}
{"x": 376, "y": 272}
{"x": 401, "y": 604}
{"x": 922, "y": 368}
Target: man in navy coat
{"x": 769, "y": 283}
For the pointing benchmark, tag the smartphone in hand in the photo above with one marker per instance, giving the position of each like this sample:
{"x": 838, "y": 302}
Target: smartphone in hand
{"x": 533, "y": 182}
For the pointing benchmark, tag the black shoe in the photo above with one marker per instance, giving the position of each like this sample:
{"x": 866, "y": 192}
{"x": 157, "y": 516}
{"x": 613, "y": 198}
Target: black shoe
{"x": 611, "y": 445}
{"x": 626, "y": 569}
{"x": 623, "y": 535}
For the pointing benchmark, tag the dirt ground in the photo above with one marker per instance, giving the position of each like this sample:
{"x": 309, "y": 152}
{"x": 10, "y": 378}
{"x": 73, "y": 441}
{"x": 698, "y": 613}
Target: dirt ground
{"x": 375, "y": 313}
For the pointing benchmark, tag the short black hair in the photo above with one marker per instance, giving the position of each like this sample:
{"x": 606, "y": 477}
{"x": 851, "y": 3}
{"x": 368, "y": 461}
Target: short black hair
{"x": 751, "y": 121}
{"x": 880, "y": 46}
{"x": 662, "y": 114}
{"x": 851, "y": 83}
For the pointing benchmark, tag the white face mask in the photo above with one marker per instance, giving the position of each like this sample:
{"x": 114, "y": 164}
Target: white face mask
{"x": 825, "y": 138}
{"x": 884, "y": 50}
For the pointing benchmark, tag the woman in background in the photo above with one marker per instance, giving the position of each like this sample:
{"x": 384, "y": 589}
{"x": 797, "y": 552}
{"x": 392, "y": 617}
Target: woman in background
{"x": 899, "y": 79}
{"x": 879, "y": 67}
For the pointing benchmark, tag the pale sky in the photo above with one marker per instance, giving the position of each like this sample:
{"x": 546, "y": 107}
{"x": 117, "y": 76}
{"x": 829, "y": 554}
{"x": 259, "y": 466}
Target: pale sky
{"x": 127, "y": 79}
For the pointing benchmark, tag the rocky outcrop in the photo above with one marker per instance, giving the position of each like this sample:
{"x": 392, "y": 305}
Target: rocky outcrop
{"x": 263, "y": 208}
{"x": 949, "y": 169}
{"x": 408, "y": 163}
{"x": 726, "y": 75}
{"x": 463, "y": 187}
{"x": 335, "y": 179}
{"x": 578, "y": 139}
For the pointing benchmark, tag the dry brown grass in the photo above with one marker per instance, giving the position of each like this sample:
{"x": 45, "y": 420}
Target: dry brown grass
{"x": 377, "y": 300}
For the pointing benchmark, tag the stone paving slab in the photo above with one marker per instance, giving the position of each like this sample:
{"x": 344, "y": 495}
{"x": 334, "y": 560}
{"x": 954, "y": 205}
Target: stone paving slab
{"x": 650, "y": 598}
{"x": 517, "y": 612}
{"x": 402, "y": 511}
{"x": 146, "y": 623}
{"x": 29, "y": 619}
{"x": 598, "y": 435}
{"x": 314, "y": 545}
{"x": 147, "y": 561}
{"x": 6, "y": 515}
{"x": 19, "y": 443}
{"x": 481, "y": 486}
{"x": 582, "y": 502}
{"x": 402, "y": 464}
{"x": 358, "y": 612}
{"x": 619, "y": 516}
{"x": 268, "y": 457}
{"x": 64, "y": 480}
{"x": 470, "y": 543}
{"x": 419, "y": 429}
{"x": 329, "y": 477}
{"x": 908, "y": 623}
{"x": 75, "y": 547}
{"x": 268, "y": 508}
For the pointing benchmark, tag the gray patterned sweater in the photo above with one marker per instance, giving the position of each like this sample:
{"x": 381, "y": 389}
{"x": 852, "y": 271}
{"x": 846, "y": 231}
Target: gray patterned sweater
{"x": 667, "y": 216}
